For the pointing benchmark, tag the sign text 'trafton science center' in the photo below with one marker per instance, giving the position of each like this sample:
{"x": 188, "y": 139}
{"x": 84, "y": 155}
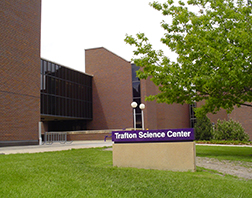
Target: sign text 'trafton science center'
{"x": 164, "y": 135}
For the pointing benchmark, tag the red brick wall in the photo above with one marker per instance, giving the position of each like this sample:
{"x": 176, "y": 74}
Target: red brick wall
{"x": 150, "y": 111}
{"x": 173, "y": 116}
{"x": 221, "y": 115}
{"x": 20, "y": 70}
{"x": 244, "y": 116}
{"x": 112, "y": 89}
{"x": 162, "y": 115}
{"x": 90, "y": 136}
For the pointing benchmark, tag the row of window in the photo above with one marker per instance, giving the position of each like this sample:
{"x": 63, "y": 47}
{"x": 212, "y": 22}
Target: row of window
{"x": 64, "y": 107}
{"x": 51, "y": 85}
{"x": 65, "y": 92}
{"x": 51, "y": 69}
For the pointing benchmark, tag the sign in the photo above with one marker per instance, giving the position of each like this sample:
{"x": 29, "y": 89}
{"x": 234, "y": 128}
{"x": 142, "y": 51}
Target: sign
{"x": 163, "y": 135}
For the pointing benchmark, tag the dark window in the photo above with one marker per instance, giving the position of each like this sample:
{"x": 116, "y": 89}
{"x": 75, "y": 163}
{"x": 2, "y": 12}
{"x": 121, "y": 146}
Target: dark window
{"x": 64, "y": 92}
{"x": 192, "y": 115}
{"x": 136, "y": 92}
{"x": 134, "y": 70}
{"x": 136, "y": 89}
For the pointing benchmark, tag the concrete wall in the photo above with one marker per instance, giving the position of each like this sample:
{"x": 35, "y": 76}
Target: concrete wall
{"x": 112, "y": 89}
{"x": 175, "y": 156}
{"x": 20, "y": 71}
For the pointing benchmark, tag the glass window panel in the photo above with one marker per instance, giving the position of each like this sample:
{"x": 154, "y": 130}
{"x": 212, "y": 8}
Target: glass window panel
{"x": 90, "y": 81}
{"x": 138, "y": 121}
{"x": 63, "y": 73}
{"x": 54, "y": 105}
{"x": 66, "y": 107}
{"x": 81, "y": 78}
{"x": 62, "y": 106}
{"x": 69, "y": 74}
{"x": 53, "y": 67}
{"x": 57, "y": 70}
{"x": 134, "y": 68}
{"x": 42, "y": 104}
{"x": 61, "y": 70}
{"x": 49, "y": 104}
{"x": 87, "y": 95}
{"x": 57, "y": 86}
{"x": 53, "y": 86}
{"x": 80, "y": 92}
{"x": 41, "y": 81}
{"x": 82, "y": 109}
{"x": 136, "y": 89}
{"x": 66, "y": 89}
{"x": 49, "y": 68}
{"x": 44, "y": 67}
{"x": 85, "y": 109}
{"x": 78, "y": 77}
{"x": 41, "y": 66}
{"x": 76, "y": 108}
{"x": 69, "y": 89}
{"x": 70, "y": 108}
{"x": 45, "y": 104}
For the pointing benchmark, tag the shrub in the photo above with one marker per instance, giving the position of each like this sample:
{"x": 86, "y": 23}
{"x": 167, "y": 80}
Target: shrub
{"x": 203, "y": 129}
{"x": 229, "y": 130}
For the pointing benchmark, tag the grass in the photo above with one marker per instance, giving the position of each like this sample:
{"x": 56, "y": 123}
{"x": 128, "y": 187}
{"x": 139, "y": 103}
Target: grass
{"x": 89, "y": 173}
{"x": 232, "y": 142}
{"x": 225, "y": 152}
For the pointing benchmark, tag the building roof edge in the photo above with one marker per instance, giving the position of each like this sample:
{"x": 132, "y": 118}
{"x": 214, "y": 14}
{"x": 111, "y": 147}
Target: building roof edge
{"x": 66, "y": 66}
{"x": 95, "y": 48}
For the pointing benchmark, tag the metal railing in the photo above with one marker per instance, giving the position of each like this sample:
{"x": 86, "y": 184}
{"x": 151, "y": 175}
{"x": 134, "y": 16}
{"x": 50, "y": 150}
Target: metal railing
{"x": 51, "y": 137}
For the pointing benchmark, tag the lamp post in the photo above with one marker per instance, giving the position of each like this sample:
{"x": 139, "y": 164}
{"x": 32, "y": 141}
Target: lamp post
{"x": 142, "y": 107}
{"x": 134, "y": 105}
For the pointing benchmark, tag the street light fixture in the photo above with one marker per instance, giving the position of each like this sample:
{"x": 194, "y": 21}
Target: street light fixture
{"x": 134, "y": 105}
{"x": 142, "y": 107}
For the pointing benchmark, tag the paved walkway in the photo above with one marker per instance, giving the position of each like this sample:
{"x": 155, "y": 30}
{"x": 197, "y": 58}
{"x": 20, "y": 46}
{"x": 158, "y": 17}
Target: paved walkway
{"x": 54, "y": 147}
{"x": 72, "y": 145}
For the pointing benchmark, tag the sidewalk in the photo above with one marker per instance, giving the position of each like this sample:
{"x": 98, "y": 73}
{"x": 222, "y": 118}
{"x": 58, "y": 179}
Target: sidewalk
{"x": 54, "y": 147}
{"x": 72, "y": 145}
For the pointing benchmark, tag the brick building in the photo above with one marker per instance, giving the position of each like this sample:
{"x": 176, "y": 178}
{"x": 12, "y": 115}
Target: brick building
{"x": 19, "y": 71}
{"x": 34, "y": 90}
{"x": 115, "y": 86}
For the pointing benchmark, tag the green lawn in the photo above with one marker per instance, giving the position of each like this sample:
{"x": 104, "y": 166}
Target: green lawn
{"x": 225, "y": 152}
{"x": 89, "y": 173}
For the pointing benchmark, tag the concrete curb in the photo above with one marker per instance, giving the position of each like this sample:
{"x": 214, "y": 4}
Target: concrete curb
{"x": 73, "y": 145}
{"x": 54, "y": 147}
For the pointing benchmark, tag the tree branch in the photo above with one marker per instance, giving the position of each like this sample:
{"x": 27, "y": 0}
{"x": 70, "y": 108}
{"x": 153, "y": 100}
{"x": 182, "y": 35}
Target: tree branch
{"x": 244, "y": 104}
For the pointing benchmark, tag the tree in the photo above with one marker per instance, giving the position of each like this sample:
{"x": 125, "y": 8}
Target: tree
{"x": 214, "y": 48}
{"x": 203, "y": 129}
{"x": 229, "y": 130}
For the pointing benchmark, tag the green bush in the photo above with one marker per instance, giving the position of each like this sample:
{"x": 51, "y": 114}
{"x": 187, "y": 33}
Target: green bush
{"x": 203, "y": 129}
{"x": 229, "y": 130}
